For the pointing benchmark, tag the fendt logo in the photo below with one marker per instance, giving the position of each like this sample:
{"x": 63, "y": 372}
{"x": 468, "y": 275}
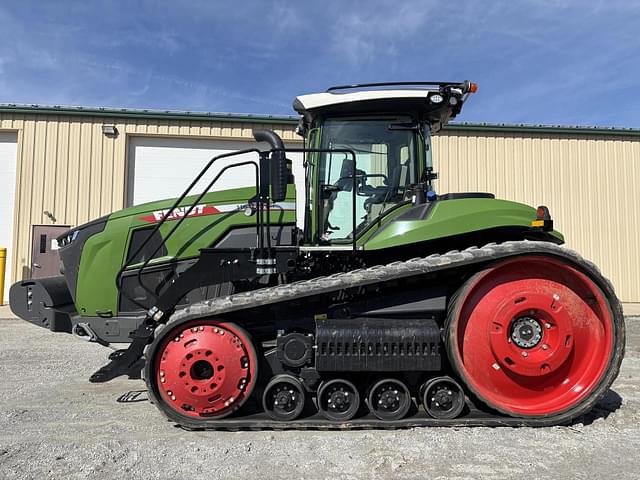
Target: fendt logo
{"x": 179, "y": 212}
{"x": 204, "y": 209}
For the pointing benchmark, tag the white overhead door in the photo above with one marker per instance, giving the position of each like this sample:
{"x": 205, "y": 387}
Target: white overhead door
{"x": 163, "y": 167}
{"x": 8, "y": 157}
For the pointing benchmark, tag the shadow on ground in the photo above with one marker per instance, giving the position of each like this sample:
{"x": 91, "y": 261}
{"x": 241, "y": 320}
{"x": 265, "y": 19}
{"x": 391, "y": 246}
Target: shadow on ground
{"x": 605, "y": 407}
{"x": 133, "y": 396}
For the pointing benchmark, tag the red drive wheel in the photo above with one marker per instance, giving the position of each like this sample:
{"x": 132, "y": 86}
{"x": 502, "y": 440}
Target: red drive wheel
{"x": 205, "y": 368}
{"x": 532, "y": 336}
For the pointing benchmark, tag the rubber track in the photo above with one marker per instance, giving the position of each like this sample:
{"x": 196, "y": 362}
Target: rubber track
{"x": 377, "y": 274}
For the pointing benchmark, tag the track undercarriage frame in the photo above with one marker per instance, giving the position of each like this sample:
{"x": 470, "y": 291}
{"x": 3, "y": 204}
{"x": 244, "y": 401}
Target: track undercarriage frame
{"x": 406, "y": 407}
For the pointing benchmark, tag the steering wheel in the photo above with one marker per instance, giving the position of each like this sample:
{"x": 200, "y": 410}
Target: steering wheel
{"x": 364, "y": 176}
{"x": 361, "y": 181}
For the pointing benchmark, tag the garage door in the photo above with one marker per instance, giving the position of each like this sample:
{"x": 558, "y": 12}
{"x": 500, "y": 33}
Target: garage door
{"x": 8, "y": 156}
{"x": 164, "y": 167}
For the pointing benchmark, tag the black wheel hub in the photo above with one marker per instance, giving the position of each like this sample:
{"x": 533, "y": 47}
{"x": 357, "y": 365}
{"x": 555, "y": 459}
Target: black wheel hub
{"x": 443, "y": 399}
{"x": 389, "y": 399}
{"x": 339, "y": 400}
{"x": 284, "y": 399}
{"x": 526, "y": 332}
{"x": 201, "y": 370}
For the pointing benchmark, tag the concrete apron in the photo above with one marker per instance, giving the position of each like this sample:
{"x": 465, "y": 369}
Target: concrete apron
{"x": 5, "y": 312}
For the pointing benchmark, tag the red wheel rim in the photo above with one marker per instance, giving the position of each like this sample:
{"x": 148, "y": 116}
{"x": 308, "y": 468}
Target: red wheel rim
{"x": 532, "y": 336}
{"x": 206, "y": 368}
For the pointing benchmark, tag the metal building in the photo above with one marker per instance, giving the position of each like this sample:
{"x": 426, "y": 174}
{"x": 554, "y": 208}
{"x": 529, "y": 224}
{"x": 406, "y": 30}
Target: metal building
{"x": 66, "y": 166}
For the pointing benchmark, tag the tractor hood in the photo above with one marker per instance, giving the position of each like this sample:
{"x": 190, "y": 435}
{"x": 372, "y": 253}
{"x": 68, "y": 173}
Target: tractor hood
{"x": 153, "y": 212}
{"x": 97, "y": 250}
{"x": 454, "y": 215}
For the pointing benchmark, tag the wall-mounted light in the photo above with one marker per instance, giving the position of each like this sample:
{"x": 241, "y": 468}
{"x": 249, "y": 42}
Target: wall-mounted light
{"x": 50, "y": 216}
{"x": 110, "y": 130}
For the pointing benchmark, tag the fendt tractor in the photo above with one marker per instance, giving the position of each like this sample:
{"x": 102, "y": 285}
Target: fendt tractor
{"x": 390, "y": 305}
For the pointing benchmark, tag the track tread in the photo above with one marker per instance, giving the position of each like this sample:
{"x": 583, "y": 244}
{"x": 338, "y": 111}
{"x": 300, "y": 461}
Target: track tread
{"x": 382, "y": 273}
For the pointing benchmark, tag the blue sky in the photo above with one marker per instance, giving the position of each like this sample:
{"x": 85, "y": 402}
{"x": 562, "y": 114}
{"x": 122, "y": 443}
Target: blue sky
{"x": 536, "y": 61}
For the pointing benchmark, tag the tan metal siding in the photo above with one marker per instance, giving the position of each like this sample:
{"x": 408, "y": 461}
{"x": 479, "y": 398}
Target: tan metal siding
{"x": 68, "y": 167}
{"x": 590, "y": 184}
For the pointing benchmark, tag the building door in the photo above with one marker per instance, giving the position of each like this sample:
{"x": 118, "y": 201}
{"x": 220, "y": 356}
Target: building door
{"x": 8, "y": 157}
{"x": 163, "y": 167}
{"x": 45, "y": 261}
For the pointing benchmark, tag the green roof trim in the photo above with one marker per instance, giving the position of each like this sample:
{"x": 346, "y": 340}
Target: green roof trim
{"x": 528, "y": 128}
{"x": 293, "y": 120}
{"x": 144, "y": 113}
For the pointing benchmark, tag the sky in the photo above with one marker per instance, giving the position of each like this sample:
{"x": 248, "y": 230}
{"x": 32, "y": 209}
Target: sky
{"x": 565, "y": 62}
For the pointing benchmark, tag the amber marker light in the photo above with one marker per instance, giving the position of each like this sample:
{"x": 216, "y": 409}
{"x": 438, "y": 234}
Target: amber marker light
{"x": 473, "y": 87}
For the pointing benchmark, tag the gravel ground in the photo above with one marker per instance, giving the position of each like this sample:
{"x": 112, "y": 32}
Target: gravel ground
{"x": 55, "y": 424}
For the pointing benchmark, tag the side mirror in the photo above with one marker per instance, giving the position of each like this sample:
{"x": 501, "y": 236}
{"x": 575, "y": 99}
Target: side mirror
{"x": 279, "y": 176}
{"x": 278, "y": 170}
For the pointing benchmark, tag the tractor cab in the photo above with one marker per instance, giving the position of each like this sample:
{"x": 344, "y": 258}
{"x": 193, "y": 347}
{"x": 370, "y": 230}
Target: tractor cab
{"x": 372, "y": 153}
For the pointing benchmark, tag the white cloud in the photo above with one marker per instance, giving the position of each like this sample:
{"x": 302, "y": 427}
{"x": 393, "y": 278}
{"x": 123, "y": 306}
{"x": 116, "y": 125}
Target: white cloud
{"x": 376, "y": 28}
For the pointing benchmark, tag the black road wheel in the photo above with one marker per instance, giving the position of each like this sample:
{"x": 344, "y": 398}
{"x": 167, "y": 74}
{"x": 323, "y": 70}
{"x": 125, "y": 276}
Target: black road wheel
{"x": 389, "y": 399}
{"x": 338, "y": 400}
{"x": 284, "y": 398}
{"x": 442, "y": 397}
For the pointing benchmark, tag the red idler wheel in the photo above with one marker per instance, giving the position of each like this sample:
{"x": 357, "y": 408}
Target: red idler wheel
{"x": 206, "y": 368}
{"x": 531, "y": 336}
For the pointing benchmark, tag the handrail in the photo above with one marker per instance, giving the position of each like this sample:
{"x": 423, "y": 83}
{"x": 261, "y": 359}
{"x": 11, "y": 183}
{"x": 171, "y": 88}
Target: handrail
{"x": 179, "y": 222}
{"x": 353, "y": 189}
{"x": 171, "y": 210}
{"x": 260, "y": 220}
{"x": 396, "y": 84}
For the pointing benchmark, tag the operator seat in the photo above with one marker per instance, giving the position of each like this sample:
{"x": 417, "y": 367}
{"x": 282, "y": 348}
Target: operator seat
{"x": 376, "y": 202}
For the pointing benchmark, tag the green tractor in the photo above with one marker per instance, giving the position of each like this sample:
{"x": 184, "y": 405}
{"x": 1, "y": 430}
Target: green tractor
{"x": 393, "y": 306}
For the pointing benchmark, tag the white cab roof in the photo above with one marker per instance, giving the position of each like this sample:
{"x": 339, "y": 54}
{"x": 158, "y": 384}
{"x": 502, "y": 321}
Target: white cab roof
{"x": 325, "y": 99}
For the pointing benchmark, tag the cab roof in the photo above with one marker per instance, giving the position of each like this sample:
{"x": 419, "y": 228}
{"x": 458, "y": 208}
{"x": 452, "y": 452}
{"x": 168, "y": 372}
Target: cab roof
{"x": 435, "y": 102}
